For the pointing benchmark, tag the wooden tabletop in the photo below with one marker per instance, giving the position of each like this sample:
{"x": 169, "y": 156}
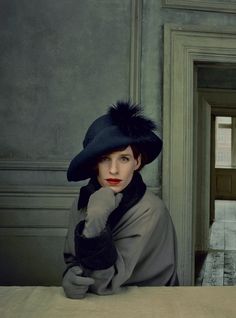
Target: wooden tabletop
{"x": 132, "y": 302}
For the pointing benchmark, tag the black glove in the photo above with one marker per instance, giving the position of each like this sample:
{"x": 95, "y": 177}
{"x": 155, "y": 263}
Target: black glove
{"x": 75, "y": 286}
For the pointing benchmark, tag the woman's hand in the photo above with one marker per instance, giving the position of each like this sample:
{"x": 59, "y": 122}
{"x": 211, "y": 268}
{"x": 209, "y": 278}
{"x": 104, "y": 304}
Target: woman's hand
{"x": 101, "y": 204}
{"x": 75, "y": 286}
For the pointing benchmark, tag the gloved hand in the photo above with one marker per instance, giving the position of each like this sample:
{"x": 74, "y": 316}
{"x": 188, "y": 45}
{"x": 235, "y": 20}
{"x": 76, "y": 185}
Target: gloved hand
{"x": 101, "y": 204}
{"x": 75, "y": 286}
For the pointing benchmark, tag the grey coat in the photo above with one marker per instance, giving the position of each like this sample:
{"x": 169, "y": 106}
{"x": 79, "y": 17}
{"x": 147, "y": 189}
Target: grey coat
{"x": 146, "y": 246}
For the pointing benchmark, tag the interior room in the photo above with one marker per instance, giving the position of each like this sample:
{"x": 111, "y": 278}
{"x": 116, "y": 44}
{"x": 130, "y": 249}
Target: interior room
{"x": 62, "y": 64}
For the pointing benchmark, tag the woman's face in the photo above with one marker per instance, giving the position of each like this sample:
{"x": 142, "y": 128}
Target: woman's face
{"x": 116, "y": 169}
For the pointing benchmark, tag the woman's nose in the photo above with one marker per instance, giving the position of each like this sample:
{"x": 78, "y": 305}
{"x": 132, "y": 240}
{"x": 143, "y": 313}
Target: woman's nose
{"x": 113, "y": 167}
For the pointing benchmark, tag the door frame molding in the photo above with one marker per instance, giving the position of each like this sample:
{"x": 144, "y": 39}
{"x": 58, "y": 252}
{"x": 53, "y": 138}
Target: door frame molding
{"x": 203, "y": 5}
{"x": 185, "y": 45}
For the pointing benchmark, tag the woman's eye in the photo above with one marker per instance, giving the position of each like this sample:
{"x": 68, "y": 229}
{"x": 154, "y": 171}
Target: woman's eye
{"x": 103, "y": 159}
{"x": 124, "y": 159}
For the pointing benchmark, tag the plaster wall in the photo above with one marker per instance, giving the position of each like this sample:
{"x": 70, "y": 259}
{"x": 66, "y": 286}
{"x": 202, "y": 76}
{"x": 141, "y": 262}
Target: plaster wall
{"x": 61, "y": 64}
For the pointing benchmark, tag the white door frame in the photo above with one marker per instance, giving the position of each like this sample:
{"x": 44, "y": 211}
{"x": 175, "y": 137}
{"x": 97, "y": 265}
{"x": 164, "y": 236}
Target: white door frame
{"x": 184, "y": 46}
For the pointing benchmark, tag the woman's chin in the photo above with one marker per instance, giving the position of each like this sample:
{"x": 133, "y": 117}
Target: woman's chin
{"x": 116, "y": 189}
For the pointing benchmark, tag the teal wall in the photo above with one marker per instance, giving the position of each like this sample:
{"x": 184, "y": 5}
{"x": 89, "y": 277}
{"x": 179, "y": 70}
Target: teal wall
{"x": 61, "y": 64}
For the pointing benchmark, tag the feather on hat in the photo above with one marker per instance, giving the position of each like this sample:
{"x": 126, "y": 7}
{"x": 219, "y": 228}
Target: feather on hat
{"x": 130, "y": 119}
{"x": 123, "y": 125}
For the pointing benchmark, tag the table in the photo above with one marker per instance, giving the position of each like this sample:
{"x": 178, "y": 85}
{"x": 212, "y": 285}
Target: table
{"x": 131, "y": 302}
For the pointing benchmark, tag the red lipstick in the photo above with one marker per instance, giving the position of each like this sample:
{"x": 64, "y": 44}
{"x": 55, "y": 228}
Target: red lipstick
{"x": 114, "y": 181}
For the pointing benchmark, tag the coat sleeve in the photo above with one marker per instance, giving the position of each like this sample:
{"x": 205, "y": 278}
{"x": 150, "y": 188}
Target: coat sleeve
{"x": 134, "y": 245}
{"x": 91, "y": 253}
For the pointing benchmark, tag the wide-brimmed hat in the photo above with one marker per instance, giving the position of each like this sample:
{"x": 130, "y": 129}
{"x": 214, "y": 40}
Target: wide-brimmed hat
{"x": 124, "y": 124}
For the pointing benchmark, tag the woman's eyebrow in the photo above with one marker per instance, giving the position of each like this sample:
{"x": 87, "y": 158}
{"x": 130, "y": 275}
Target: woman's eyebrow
{"x": 125, "y": 154}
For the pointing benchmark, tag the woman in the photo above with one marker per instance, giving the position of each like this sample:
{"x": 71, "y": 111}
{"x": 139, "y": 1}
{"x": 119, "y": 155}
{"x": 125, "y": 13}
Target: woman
{"x": 120, "y": 233}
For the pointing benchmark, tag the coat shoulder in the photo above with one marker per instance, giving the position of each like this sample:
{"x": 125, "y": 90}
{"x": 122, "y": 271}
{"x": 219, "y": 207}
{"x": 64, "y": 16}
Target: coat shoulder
{"x": 150, "y": 207}
{"x": 153, "y": 201}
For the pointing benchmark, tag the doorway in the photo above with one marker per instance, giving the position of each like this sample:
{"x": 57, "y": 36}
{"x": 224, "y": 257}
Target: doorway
{"x": 184, "y": 45}
{"x": 215, "y": 133}
{"x": 216, "y": 265}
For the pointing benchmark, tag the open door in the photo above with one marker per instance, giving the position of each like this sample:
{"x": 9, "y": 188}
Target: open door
{"x": 213, "y": 176}
{"x": 203, "y": 174}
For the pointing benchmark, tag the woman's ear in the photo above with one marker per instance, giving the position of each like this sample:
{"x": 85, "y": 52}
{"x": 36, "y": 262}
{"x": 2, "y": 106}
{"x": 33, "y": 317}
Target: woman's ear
{"x": 138, "y": 162}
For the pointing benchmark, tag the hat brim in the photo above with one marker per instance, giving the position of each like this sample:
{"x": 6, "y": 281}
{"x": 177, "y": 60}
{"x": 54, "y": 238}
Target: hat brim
{"x": 109, "y": 139}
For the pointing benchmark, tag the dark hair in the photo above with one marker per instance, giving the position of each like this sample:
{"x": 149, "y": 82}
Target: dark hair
{"x": 137, "y": 152}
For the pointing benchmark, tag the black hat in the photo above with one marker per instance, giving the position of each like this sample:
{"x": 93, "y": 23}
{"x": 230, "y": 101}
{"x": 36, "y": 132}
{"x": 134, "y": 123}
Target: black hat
{"x": 123, "y": 125}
